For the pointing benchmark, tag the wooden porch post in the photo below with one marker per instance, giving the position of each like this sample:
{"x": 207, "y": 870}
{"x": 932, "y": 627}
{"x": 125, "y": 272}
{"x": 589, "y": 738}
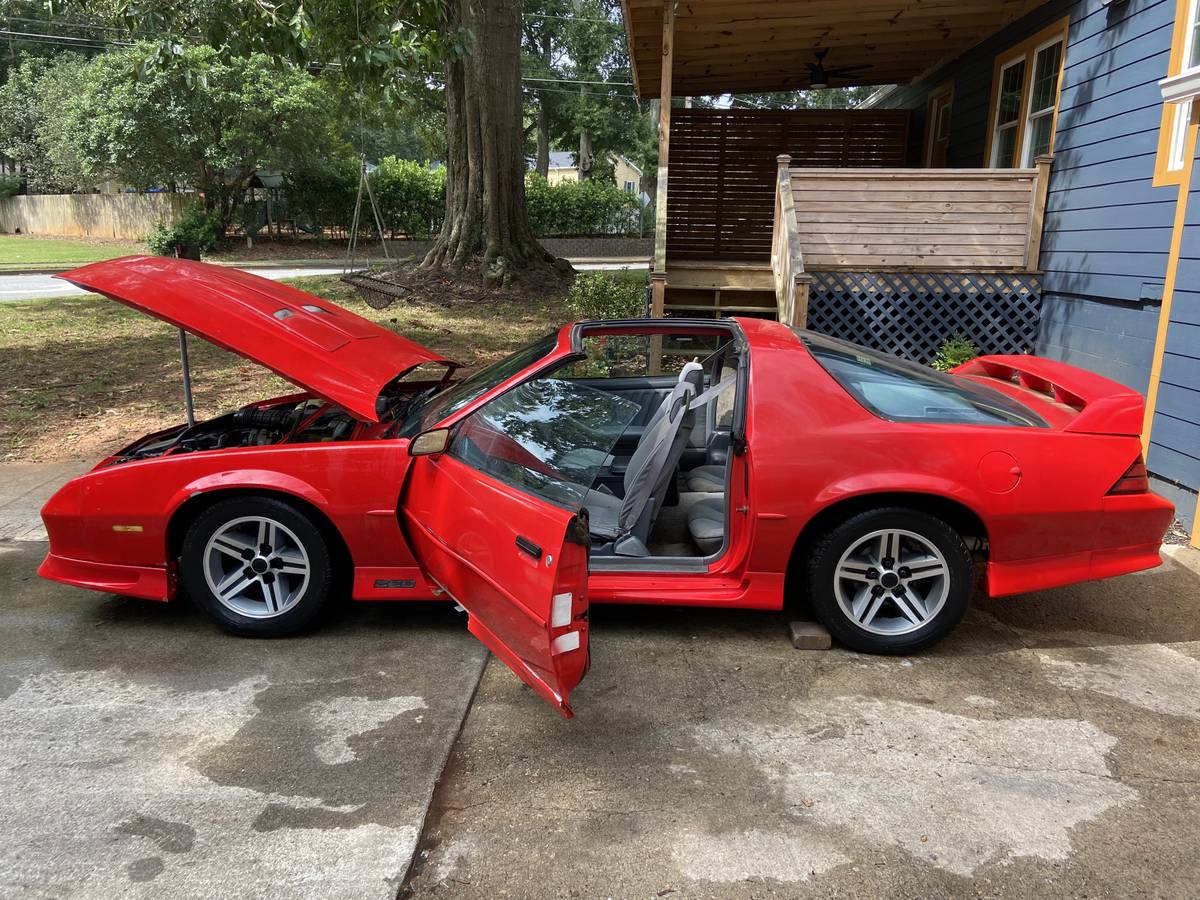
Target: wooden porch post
{"x": 1037, "y": 212}
{"x": 658, "y": 272}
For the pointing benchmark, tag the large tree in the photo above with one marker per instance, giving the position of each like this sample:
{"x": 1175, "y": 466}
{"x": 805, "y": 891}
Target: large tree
{"x": 471, "y": 46}
{"x": 34, "y": 100}
{"x": 208, "y": 121}
{"x": 580, "y": 83}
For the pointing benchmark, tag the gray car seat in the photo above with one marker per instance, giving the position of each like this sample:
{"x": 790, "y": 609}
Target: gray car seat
{"x": 706, "y": 524}
{"x": 624, "y": 522}
{"x": 710, "y": 477}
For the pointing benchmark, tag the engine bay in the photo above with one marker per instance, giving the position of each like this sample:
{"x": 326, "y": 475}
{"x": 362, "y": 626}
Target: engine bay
{"x": 299, "y": 419}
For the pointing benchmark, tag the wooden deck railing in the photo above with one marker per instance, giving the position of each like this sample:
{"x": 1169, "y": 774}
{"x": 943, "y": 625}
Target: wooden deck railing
{"x": 943, "y": 220}
{"x": 787, "y": 258}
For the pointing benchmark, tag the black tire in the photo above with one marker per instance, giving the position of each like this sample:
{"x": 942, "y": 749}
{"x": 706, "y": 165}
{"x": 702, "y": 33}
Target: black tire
{"x": 299, "y": 601}
{"x": 947, "y": 594}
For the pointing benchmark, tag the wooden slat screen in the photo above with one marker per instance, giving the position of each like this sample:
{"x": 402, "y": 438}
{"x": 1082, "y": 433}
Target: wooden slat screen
{"x": 923, "y": 219}
{"x": 721, "y": 171}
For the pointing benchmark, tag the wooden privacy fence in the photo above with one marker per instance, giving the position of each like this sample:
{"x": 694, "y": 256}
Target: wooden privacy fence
{"x": 114, "y": 216}
{"x": 722, "y": 165}
{"x": 921, "y": 219}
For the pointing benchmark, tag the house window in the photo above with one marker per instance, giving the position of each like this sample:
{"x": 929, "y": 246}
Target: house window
{"x": 1025, "y": 99}
{"x": 1191, "y": 50}
{"x": 629, "y": 187}
{"x": 1008, "y": 115}
{"x": 1182, "y": 86}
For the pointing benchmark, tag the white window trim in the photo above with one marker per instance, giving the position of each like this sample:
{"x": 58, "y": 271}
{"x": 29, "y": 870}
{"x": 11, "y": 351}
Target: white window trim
{"x": 1181, "y": 88}
{"x": 997, "y": 125}
{"x": 1027, "y": 124}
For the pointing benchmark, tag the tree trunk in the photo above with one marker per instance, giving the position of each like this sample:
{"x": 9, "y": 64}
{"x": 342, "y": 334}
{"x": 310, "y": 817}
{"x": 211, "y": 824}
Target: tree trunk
{"x": 585, "y": 143}
{"x": 543, "y": 136}
{"x": 543, "y": 118}
{"x": 485, "y": 164}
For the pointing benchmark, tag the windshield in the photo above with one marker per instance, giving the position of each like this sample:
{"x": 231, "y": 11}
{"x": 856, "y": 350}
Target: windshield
{"x": 427, "y": 413}
{"x": 903, "y": 391}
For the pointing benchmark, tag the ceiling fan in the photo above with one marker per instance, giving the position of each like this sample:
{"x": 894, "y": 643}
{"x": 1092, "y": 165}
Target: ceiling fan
{"x": 819, "y": 76}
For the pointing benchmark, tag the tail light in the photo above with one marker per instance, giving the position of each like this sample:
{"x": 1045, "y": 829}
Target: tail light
{"x": 1134, "y": 481}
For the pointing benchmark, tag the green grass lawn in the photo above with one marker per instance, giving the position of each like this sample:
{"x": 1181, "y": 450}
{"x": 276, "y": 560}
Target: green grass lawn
{"x": 83, "y": 376}
{"x": 20, "y": 251}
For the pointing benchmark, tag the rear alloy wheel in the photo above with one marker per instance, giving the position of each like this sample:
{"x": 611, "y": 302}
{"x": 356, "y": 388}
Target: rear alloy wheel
{"x": 890, "y": 580}
{"x": 257, "y": 565}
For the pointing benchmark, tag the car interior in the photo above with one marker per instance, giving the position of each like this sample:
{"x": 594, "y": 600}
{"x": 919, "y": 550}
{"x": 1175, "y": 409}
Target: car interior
{"x": 659, "y": 499}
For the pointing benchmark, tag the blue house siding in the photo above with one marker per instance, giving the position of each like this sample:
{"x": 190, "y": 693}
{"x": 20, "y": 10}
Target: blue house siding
{"x": 1107, "y": 229}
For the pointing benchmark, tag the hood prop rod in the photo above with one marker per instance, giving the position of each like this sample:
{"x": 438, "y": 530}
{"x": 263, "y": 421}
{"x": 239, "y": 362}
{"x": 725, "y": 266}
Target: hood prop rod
{"x": 187, "y": 379}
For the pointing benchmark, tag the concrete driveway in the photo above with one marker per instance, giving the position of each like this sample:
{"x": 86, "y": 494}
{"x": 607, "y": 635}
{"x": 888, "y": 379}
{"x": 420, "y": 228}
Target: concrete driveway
{"x": 1048, "y": 748}
{"x": 145, "y": 754}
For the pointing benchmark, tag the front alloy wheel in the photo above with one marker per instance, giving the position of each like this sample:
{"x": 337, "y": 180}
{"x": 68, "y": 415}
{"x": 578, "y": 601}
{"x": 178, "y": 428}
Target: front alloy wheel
{"x": 257, "y": 565}
{"x": 890, "y": 580}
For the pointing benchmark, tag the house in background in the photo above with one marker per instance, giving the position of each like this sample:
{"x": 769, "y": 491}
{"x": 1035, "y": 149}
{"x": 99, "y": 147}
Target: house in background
{"x": 1027, "y": 181}
{"x": 563, "y": 167}
{"x": 1107, "y": 88}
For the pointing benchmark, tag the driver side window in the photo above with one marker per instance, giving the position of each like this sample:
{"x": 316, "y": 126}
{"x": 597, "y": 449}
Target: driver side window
{"x": 547, "y": 437}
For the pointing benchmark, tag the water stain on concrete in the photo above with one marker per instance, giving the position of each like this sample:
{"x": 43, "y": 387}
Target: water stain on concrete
{"x": 339, "y": 719}
{"x": 953, "y": 791}
{"x": 1150, "y": 676}
{"x": 61, "y": 816}
{"x": 171, "y": 837}
{"x": 147, "y": 868}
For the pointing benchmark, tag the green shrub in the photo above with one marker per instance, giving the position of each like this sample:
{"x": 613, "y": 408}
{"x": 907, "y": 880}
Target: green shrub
{"x": 411, "y": 197}
{"x": 955, "y": 350}
{"x": 9, "y": 185}
{"x": 608, "y": 295}
{"x": 323, "y": 196}
{"x": 579, "y": 208}
{"x": 196, "y": 227}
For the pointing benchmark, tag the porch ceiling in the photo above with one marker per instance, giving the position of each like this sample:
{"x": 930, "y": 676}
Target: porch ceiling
{"x": 750, "y": 46}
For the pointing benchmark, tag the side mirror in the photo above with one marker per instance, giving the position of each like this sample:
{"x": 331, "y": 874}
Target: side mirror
{"x": 430, "y": 442}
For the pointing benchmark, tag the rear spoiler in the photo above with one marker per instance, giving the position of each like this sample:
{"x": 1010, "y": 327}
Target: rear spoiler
{"x": 1104, "y": 406}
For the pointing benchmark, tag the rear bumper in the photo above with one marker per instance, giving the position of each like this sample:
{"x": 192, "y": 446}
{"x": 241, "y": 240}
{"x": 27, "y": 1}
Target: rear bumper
{"x": 1056, "y": 571}
{"x": 1130, "y": 537}
{"x": 147, "y": 582}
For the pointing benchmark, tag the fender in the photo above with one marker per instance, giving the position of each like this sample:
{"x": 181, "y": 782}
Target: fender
{"x": 247, "y": 478}
{"x": 896, "y": 482}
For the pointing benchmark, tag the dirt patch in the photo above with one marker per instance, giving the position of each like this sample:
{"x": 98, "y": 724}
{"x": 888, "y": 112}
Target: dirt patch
{"x": 235, "y": 249}
{"x": 416, "y": 284}
{"x": 1177, "y": 535}
{"x": 81, "y": 377}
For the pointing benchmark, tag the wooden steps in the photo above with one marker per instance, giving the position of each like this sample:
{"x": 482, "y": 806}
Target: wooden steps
{"x": 719, "y": 288}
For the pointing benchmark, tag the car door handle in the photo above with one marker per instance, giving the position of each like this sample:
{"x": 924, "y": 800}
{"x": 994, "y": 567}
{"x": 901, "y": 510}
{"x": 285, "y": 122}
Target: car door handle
{"x": 525, "y": 545}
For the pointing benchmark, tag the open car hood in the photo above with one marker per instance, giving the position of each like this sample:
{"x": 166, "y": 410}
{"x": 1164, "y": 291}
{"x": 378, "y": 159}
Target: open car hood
{"x": 311, "y": 342}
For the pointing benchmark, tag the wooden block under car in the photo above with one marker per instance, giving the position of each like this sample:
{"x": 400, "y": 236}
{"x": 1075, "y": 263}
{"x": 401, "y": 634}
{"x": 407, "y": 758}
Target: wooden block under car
{"x": 809, "y": 636}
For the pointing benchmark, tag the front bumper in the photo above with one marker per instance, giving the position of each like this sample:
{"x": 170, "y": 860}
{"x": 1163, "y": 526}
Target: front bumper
{"x": 147, "y": 582}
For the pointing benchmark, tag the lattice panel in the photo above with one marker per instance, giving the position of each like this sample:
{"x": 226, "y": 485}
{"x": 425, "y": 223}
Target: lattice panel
{"x": 910, "y": 314}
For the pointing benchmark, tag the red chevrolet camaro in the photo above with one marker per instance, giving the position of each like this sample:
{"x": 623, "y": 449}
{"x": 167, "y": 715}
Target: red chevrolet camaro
{"x": 734, "y": 462}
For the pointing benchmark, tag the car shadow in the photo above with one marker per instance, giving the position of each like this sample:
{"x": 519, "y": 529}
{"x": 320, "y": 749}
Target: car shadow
{"x": 1159, "y": 606}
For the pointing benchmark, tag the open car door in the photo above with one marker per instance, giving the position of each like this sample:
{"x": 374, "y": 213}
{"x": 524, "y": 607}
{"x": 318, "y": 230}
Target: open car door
{"x": 495, "y": 514}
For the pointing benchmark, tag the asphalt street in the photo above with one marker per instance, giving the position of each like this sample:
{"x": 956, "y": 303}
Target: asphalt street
{"x": 43, "y": 286}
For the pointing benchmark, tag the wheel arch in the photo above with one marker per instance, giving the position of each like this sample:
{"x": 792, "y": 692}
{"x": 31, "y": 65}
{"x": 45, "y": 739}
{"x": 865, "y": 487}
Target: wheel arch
{"x": 187, "y": 512}
{"x": 966, "y": 521}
